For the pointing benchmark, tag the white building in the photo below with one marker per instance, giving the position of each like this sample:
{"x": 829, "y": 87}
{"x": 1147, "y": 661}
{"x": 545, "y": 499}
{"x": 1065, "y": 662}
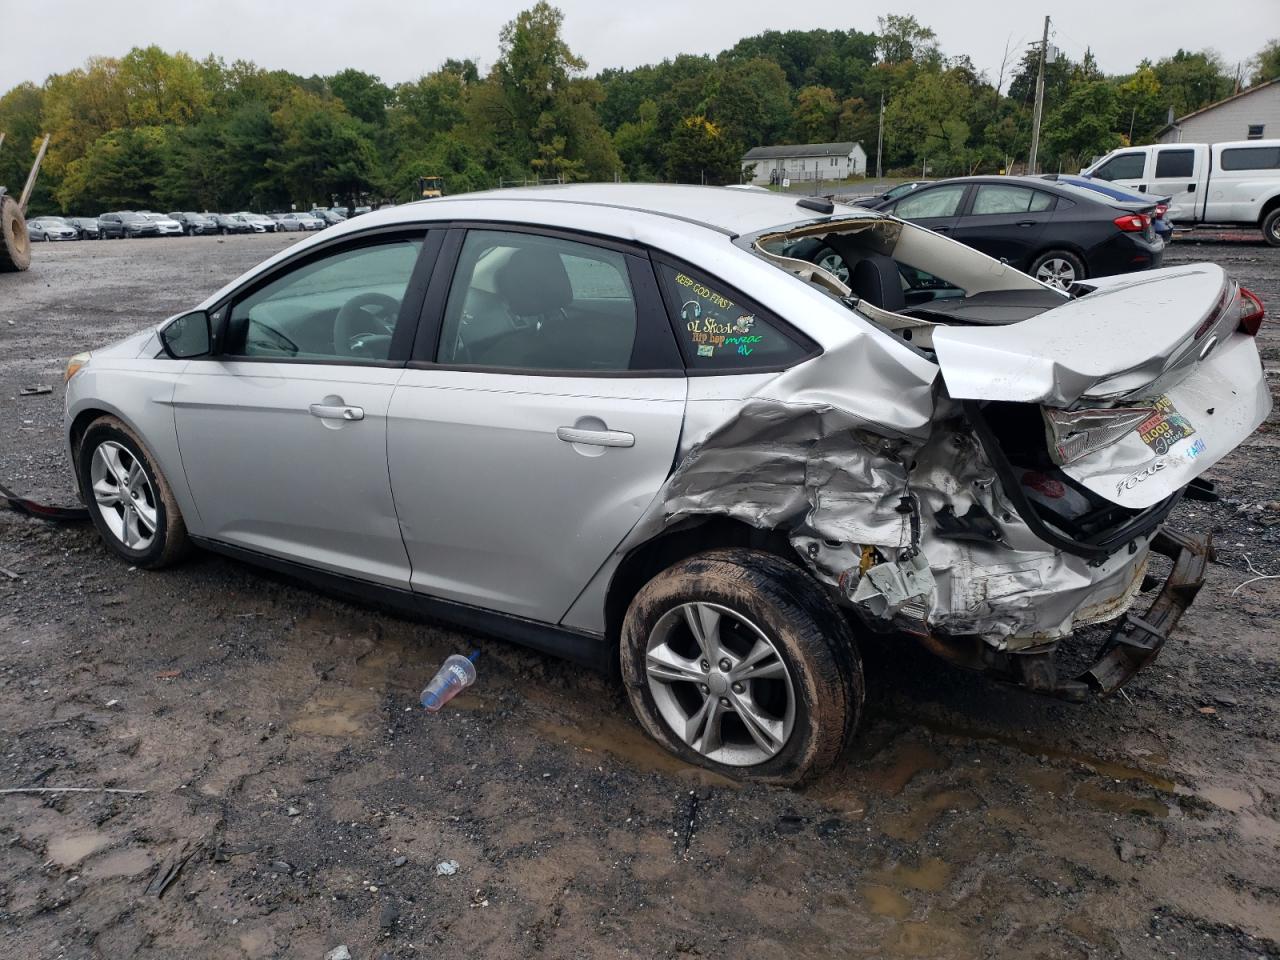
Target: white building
{"x": 804, "y": 161}
{"x": 1252, "y": 114}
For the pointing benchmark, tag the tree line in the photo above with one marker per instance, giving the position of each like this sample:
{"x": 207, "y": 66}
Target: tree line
{"x": 158, "y": 130}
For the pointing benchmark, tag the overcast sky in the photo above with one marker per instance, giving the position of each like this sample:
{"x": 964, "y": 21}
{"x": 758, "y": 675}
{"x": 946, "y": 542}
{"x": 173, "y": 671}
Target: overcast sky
{"x": 402, "y": 39}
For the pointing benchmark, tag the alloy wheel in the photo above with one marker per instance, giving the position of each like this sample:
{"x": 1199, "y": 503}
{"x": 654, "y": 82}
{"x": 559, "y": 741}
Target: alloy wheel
{"x": 720, "y": 684}
{"x": 834, "y": 264}
{"x": 1057, "y": 273}
{"x": 123, "y": 495}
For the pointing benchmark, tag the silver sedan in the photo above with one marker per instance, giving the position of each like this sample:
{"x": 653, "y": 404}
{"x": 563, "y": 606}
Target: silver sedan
{"x": 621, "y": 424}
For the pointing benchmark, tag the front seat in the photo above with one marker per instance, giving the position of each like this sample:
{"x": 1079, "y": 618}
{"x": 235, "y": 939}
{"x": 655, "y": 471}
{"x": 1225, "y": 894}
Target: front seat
{"x": 876, "y": 280}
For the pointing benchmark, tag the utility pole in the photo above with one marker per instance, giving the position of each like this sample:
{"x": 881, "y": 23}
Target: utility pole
{"x": 880, "y": 140}
{"x": 1039, "y": 110}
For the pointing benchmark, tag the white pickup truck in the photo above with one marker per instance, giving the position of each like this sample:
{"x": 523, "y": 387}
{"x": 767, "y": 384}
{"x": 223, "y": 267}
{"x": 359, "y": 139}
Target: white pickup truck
{"x": 1235, "y": 184}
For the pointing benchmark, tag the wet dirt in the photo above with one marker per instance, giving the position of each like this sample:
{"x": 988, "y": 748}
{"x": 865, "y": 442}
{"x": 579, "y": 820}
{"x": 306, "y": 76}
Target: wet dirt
{"x": 277, "y": 734}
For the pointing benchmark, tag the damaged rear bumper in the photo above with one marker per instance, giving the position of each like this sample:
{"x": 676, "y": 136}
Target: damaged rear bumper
{"x": 1133, "y": 644}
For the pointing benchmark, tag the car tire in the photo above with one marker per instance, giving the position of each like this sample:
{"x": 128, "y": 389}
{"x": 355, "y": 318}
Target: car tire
{"x": 1058, "y": 268}
{"x": 1271, "y": 227}
{"x": 748, "y": 605}
{"x": 15, "y": 245}
{"x": 134, "y": 513}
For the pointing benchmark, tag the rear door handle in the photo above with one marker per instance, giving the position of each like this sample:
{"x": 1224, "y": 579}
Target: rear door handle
{"x": 336, "y": 411}
{"x": 1026, "y": 223}
{"x": 1191, "y": 188}
{"x": 596, "y": 438}
{"x": 941, "y": 229}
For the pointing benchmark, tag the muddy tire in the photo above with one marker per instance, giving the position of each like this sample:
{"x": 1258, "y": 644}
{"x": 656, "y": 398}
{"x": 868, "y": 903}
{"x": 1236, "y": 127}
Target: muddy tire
{"x": 15, "y": 243}
{"x": 736, "y": 661}
{"x": 1058, "y": 268}
{"x": 1271, "y": 227}
{"x": 129, "y": 499}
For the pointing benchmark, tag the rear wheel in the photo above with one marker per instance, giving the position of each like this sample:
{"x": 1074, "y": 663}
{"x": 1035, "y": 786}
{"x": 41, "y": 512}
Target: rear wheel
{"x": 15, "y": 244}
{"x": 1058, "y": 268}
{"x": 128, "y": 497}
{"x": 1271, "y": 227}
{"x": 735, "y": 660}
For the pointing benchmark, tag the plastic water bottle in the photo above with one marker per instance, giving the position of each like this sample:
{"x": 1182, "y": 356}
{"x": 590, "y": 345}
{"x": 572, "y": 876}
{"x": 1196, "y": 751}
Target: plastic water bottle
{"x": 455, "y": 675}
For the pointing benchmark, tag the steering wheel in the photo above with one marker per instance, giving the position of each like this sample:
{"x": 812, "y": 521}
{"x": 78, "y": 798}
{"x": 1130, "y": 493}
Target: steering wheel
{"x": 364, "y": 320}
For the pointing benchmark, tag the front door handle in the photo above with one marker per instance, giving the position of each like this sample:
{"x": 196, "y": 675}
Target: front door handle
{"x": 336, "y": 411}
{"x": 596, "y": 438}
{"x": 941, "y": 229}
{"x": 1142, "y": 188}
{"x": 1026, "y": 223}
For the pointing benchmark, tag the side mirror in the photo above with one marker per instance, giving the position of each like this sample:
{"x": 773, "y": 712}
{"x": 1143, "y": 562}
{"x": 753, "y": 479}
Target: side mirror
{"x": 188, "y": 336}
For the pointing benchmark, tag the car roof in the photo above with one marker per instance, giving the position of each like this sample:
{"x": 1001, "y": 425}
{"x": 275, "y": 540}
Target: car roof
{"x": 732, "y": 212}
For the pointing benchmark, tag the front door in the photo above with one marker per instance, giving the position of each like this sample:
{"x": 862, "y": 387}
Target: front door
{"x": 284, "y": 435}
{"x": 934, "y": 207}
{"x": 539, "y": 423}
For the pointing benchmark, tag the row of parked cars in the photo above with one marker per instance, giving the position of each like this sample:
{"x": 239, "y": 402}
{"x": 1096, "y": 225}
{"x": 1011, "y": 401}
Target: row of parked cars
{"x": 1114, "y": 217}
{"x": 144, "y": 223}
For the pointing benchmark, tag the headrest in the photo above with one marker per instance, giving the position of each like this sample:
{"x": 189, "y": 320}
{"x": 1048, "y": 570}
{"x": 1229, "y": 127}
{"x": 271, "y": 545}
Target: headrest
{"x": 533, "y": 282}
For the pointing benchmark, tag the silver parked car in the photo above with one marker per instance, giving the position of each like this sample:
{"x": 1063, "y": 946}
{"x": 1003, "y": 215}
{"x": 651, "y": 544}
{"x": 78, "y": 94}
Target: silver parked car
{"x": 618, "y": 423}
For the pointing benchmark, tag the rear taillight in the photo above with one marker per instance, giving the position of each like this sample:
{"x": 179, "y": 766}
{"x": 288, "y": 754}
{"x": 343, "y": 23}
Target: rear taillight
{"x": 1133, "y": 222}
{"x": 1074, "y": 434}
{"x": 1249, "y": 311}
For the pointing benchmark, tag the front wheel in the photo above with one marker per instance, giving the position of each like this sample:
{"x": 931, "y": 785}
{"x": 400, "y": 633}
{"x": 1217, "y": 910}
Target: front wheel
{"x": 1058, "y": 268}
{"x": 1271, "y": 227}
{"x": 129, "y": 498}
{"x": 736, "y": 661}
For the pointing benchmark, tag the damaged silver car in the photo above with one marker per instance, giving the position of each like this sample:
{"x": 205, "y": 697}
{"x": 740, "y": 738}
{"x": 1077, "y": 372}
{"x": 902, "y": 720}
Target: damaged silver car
{"x": 620, "y": 423}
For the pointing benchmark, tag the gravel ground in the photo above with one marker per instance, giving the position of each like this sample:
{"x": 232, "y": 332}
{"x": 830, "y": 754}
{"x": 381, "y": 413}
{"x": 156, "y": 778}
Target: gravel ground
{"x": 305, "y": 803}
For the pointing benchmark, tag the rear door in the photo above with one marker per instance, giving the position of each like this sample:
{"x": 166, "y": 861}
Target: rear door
{"x": 538, "y": 420}
{"x": 1178, "y": 170}
{"x": 935, "y": 207}
{"x": 1005, "y": 221}
{"x": 283, "y": 435}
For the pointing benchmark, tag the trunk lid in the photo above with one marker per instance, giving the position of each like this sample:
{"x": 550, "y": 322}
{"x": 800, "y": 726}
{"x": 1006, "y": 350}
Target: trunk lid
{"x": 1165, "y": 339}
{"x": 1118, "y": 339}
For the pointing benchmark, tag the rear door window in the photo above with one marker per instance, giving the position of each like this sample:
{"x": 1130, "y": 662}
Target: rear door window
{"x": 1178, "y": 164}
{"x": 999, "y": 198}
{"x": 527, "y": 302}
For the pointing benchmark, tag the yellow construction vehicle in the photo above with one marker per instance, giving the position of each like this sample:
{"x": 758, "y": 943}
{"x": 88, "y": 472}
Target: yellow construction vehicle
{"x": 430, "y": 188}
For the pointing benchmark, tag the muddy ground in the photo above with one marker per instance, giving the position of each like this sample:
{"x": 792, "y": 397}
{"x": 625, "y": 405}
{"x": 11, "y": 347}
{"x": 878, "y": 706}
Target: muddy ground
{"x": 276, "y": 735}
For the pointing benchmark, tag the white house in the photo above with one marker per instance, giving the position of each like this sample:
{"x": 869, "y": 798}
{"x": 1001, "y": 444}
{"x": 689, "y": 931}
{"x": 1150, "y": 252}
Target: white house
{"x": 1252, "y": 114}
{"x": 804, "y": 161}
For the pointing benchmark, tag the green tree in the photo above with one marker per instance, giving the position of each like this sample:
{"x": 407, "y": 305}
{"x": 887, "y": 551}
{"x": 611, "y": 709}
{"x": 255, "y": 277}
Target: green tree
{"x": 161, "y": 88}
{"x": 1189, "y": 81}
{"x": 1084, "y": 126}
{"x": 816, "y": 116}
{"x": 324, "y": 151}
{"x": 701, "y": 153}
{"x": 364, "y": 95}
{"x": 121, "y": 169}
{"x": 1266, "y": 63}
{"x": 902, "y": 37}
{"x": 752, "y": 102}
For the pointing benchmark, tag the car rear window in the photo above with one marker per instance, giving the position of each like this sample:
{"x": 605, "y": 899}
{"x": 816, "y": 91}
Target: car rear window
{"x": 720, "y": 333}
{"x": 1251, "y": 158}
